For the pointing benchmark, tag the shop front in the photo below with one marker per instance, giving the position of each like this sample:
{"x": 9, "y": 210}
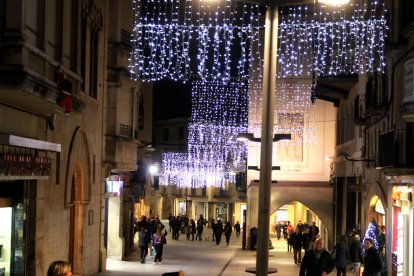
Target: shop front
{"x": 402, "y": 230}
{"x": 23, "y": 162}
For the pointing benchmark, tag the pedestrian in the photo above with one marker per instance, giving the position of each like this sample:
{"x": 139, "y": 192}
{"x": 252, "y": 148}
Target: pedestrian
{"x": 372, "y": 262}
{"x": 200, "y": 226}
{"x": 355, "y": 254}
{"x": 340, "y": 254}
{"x": 59, "y": 268}
{"x": 316, "y": 262}
{"x": 306, "y": 240}
{"x": 227, "y": 232}
{"x": 313, "y": 231}
{"x": 158, "y": 242}
{"x": 193, "y": 229}
{"x": 237, "y": 229}
{"x": 296, "y": 241}
{"x": 188, "y": 230}
{"x": 144, "y": 240}
{"x": 278, "y": 230}
{"x": 218, "y": 231}
{"x": 213, "y": 226}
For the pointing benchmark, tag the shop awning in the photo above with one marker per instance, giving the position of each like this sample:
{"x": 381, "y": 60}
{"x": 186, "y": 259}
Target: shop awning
{"x": 17, "y": 141}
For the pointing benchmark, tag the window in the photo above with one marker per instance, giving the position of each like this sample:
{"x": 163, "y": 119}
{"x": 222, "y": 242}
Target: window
{"x": 180, "y": 134}
{"x": 165, "y": 134}
{"x": 93, "y": 82}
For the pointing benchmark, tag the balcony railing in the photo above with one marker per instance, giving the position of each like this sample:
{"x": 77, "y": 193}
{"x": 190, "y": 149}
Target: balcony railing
{"x": 360, "y": 116}
{"x": 125, "y": 131}
{"x": 396, "y": 149}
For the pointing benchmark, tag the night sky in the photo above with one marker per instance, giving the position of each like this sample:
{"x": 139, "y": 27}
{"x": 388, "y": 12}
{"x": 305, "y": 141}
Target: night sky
{"x": 171, "y": 99}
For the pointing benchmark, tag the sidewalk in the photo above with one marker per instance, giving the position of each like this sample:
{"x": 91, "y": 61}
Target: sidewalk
{"x": 201, "y": 258}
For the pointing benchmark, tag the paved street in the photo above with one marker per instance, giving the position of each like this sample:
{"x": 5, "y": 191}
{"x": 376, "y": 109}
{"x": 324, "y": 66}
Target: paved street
{"x": 204, "y": 258}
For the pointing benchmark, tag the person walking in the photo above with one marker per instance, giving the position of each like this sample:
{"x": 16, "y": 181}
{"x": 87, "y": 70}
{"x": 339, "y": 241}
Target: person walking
{"x": 227, "y": 232}
{"x": 158, "y": 242}
{"x": 213, "y": 226}
{"x": 340, "y": 254}
{"x": 144, "y": 239}
{"x": 372, "y": 262}
{"x": 316, "y": 262}
{"x": 218, "y": 231}
{"x": 296, "y": 241}
{"x": 193, "y": 229}
{"x": 355, "y": 254}
{"x": 200, "y": 223}
{"x": 237, "y": 229}
{"x": 278, "y": 230}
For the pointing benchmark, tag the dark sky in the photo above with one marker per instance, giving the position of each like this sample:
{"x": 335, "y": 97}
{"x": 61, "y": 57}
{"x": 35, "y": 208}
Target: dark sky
{"x": 171, "y": 99}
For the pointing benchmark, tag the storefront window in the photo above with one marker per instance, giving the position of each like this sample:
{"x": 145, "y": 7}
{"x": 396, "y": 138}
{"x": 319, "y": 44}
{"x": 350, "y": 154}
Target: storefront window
{"x": 5, "y": 240}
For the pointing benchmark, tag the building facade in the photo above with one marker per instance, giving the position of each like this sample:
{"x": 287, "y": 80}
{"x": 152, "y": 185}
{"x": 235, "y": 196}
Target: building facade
{"x": 373, "y": 173}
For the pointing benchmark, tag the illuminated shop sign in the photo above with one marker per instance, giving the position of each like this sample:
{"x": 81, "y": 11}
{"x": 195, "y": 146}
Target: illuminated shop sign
{"x": 113, "y": 185}
{"x": 24, "y": 165}
{"x": 402, "y": 196}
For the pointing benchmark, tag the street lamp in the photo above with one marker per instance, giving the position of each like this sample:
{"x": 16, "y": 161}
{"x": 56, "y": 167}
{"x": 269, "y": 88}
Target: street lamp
{"x": 262, "y": 255}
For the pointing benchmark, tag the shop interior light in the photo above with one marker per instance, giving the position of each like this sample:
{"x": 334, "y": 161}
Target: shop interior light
{"x": 334, "y": 2}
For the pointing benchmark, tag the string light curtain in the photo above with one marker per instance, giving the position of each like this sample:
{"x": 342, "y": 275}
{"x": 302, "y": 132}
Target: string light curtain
{"x": 181, "y": 38}
{"x": 219, "y": 114}
{"x": 330, "y": 40}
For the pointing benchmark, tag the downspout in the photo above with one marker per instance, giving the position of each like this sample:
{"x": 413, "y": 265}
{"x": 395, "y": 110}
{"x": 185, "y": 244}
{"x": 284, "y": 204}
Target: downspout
{"x": 102, "y": 250}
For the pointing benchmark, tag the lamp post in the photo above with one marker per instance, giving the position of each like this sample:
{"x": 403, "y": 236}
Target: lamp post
{"x": 268, "y": 94}
{"x": 262, "y": 255}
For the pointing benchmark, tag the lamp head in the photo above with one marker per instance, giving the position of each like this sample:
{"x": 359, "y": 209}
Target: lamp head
{"x": 282, "y": 137}
{"x": 245, "y": 137}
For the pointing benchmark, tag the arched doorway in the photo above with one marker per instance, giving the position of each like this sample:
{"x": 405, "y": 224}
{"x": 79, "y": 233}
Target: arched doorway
{"x": 297, "y": 214}
{"x": 76, "y": 219}
{"x": 376, "y": 211}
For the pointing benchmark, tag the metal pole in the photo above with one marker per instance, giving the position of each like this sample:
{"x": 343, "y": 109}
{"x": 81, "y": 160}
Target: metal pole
{"x": 268, "y": 91}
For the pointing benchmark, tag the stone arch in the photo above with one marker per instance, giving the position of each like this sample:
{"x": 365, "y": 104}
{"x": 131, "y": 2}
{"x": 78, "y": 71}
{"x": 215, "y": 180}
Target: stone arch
{"x": 318, "y": 200}
{"x": 372, "y": 214}
{"x": 77, "y": 195}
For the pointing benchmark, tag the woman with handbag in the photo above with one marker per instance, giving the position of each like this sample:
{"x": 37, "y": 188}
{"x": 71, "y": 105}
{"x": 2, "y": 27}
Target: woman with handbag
{"x": 158, "y": 242}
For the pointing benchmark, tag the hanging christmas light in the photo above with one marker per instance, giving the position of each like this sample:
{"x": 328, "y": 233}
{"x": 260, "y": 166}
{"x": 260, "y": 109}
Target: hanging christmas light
{"x": 214, "y": 39}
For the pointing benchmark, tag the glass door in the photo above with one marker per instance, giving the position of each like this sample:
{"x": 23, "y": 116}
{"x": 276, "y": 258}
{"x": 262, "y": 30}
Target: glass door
{"x": 6, "y": 254}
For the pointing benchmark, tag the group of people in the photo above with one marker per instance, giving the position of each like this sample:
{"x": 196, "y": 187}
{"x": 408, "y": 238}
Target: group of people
{"x": 319, "y": 261}
{"x": 191, "y": 227}
{"x": 303, "y": 237}
{"x": 151, "y": 233}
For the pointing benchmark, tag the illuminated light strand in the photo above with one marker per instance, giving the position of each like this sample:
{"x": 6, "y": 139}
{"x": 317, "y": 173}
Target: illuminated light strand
{"x": 311, "y": 38}
{"x": 219, "y": 114}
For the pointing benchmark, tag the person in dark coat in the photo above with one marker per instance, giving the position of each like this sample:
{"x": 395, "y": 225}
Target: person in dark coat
{"x": 218, "y": 231}
{"x": 227, "y": 232}
{"x": 193, "y": 229}
{"x": 355, "y": 254}
{"x": 316, "y": 262}
{"x": 200, "y": 227}
{"x": 372, "y": 262}
{"x": 237, "y": 229}
{"x": 341, "y": 253}
{"x": 296, "y": 241}
{"x": 213, "y": 226}
{"x": 143, "y": 242}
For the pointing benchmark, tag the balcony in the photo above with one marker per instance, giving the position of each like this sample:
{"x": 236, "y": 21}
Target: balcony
{"x": 396, "y": 152}
{"x": 34, "y": 93}
{"x": 375, "y": 100}
{"x": 220, "y": 193}
{"x": 334, "y": 89}
{"x": 360, "y": 117}
{"x": 121, "y": 149}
